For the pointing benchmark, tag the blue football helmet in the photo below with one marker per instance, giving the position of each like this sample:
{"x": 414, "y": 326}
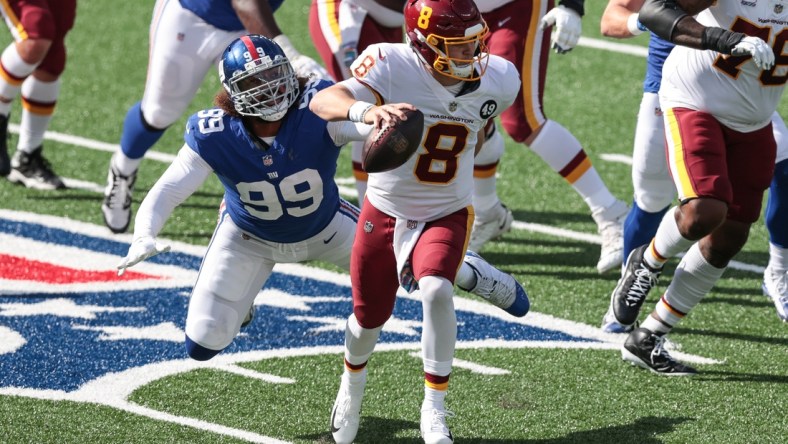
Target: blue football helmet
{"x": 260, "y": 80}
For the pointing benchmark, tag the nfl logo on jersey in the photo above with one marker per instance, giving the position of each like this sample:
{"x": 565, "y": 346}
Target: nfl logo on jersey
{"x": 268, "y": 160}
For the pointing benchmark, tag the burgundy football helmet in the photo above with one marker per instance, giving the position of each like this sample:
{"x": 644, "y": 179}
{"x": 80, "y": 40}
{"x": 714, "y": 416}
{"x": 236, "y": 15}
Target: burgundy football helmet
{"x": 448, "y": 35}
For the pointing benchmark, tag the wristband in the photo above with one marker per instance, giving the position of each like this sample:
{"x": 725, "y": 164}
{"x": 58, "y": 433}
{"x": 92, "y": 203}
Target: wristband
{"x": 358, "y": 110}
{"x": 634, "y": 26}
{"x": 287, "y": 47}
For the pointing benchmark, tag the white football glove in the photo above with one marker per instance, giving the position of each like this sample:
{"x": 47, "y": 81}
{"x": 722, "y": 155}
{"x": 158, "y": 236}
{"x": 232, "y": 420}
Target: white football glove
{"x": 761, "y": 52}
{"x": 567, "y": 28}
{"x": 139, "y": 250}
{"x": 304, "y": 66}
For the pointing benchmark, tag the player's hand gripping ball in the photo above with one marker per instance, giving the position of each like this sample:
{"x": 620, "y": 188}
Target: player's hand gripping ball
{"x": 391, "y": 146}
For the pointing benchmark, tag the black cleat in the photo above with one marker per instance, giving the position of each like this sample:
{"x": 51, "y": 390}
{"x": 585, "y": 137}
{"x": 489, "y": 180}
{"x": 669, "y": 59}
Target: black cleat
{"x": 647, "y": 350}
{"x": 34, "y": 171}
{"x": 633, "y": 287}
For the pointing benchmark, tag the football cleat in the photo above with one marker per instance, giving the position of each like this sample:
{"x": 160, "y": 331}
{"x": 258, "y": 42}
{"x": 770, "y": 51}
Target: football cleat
{"x": 33, "y": 171}
{"x": 611, "y": 325}
{"x": 490, "y": 226}
{"x": 346, "y": 413}
{"x": 647, "y": 350}
{"x": 633, "y": 287}
{"x": 5, "y": 161}
{"x": 497, "y": 287}
{"x": 775, "y": 287}
{"x": 433, "y": 426}
{"x": 116, "y": 207}
{"x": 610, "y": 224}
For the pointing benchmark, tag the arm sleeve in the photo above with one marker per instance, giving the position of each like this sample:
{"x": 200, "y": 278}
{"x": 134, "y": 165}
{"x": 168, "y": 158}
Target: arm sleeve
{"x": 576, "y": 5}
{"x": 342, "y": 132}
{"x": 181, "y": 179}
{"x": 661, "y": 17}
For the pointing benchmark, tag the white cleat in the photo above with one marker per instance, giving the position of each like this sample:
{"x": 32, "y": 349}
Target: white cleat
{"x": 116, "y": 207}
{"x": 775, "y": 286}
{"x": 490, "y": 225}
{"x": 346, "y": 413}
{"x": 433, "y": 426}
{"x": 610, "y": 223}
{"x": 497, "y": 287}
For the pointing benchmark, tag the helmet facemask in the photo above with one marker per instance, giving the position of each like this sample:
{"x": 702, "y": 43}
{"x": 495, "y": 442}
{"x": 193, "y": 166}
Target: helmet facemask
{"x": 447, "y": 52}
{"x": 265, "y": 88}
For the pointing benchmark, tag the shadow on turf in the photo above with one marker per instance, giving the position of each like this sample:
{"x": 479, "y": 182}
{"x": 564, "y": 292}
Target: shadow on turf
{"x": 645, "y": 430}
{"x": 717, "y": 376}
{"x": 735, "y": 336}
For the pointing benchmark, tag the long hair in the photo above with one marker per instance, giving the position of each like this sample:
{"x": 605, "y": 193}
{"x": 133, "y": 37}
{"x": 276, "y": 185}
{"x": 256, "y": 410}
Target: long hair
{"x": 223, "y": 100}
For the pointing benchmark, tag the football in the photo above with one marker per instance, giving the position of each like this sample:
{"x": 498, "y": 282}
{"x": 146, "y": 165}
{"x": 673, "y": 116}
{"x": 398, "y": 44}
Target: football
{"x": 392, "y": 145}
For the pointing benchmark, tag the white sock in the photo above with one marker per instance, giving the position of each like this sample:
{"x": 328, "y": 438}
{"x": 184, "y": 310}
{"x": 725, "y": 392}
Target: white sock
{"x": 778, "y": 258}
{"x": 38, "y": 105}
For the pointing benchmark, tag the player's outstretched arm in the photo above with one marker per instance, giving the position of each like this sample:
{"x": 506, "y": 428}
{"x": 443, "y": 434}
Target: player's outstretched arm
{"x": 620, "y": 19}
{"x": 337, "y": 103}
{"x": 181, "y": 179}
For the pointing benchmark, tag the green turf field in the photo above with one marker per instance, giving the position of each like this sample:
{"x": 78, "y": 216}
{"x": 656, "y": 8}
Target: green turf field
{"x": 549, "y": 395}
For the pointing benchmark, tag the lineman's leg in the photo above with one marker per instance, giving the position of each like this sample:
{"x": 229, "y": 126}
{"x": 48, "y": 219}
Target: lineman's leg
{"x": 653, "y": 187}
{"x": 231, "y": 275}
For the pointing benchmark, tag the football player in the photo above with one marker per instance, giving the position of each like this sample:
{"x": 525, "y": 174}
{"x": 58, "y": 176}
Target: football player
{"x": 718, "y": 104}
{"x": 187, "y": 39}
{"x": 415, "y": 222}
{"x": 515, "y": 37}
{"x": 653, "y": 187}
{"x": 281, "y": 203}
{"x": 341, "y": 29}
{"x": 32, "y": 64}
{"x": 276, "y": 160}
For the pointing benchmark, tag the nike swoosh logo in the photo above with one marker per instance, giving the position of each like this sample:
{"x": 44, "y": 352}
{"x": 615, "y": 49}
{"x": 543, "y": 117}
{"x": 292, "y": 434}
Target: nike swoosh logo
{"x": 503, "y": 22}
{"x": 326, "y": 241}
{"x": 333, "y": 415}
{"x": 380, "y": 54}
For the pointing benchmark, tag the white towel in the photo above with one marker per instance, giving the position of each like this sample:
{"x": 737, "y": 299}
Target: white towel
{"x": 351, "y": 17}
{"x": 406, "y": 233}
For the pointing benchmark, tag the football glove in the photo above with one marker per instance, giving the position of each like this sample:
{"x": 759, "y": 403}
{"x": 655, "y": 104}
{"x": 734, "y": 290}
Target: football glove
{"x": 304, "y": 66}
{"x": 567, "y": 28}
{"x": 761, "y": 52}
{"x": 139, "y": 250}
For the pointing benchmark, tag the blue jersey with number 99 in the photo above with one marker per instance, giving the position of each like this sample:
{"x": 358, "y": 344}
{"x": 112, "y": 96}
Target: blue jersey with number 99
{"x": 284, "y": 192}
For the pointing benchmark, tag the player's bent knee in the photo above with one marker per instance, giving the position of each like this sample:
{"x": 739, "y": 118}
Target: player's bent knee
{"x": 655, "y": 198}
{"x": 198, "y": 352}
{"x": 212, "y": 333}
{"x": 435, "y": 289}
{"x": 160, "y": 118}
{"x": 33, "y": 51}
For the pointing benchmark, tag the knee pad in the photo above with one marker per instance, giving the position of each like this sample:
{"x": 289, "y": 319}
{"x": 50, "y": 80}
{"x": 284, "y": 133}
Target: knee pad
{"x": 214, "y": 331}
{"x": 159, "y": 117}
{"x": 654, "y": 194}
{"x": 435, "y": 289}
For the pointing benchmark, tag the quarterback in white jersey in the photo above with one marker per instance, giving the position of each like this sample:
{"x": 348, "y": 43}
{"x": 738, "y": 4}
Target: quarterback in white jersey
{"x": 415, "y": 224}
{"x": 440, "y": 173}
